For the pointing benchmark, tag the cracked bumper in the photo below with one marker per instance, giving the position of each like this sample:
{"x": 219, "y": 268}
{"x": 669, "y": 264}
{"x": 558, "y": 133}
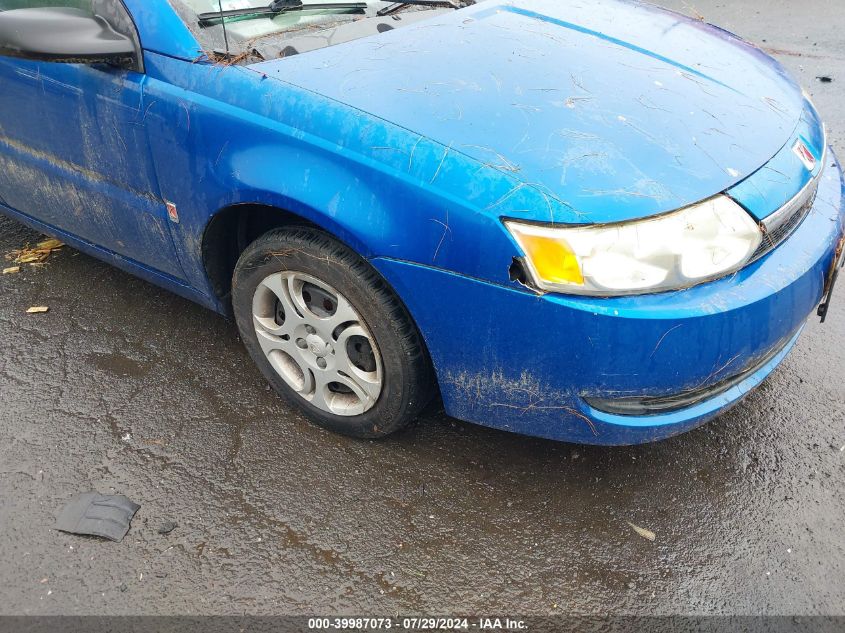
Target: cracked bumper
{"x": 509, "y": 359}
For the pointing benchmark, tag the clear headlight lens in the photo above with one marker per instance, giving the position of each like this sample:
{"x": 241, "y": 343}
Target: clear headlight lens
{"x": 680, "y": 249}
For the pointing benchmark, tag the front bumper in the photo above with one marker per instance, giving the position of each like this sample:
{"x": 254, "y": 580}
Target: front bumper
{"x": 510, "y": 359}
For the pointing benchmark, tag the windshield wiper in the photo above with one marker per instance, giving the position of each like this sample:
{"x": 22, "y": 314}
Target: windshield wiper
{"x": 398, "y": 6}
{"x": 277, "y": 7}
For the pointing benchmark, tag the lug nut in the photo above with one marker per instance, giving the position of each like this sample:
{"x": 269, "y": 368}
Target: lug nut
{"x": 321, "y": 363}
{"x": 301, "y": 344}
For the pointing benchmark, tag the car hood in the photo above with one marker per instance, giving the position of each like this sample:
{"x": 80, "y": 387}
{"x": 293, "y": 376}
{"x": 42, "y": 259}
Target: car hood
{"x": 616, "y": 109}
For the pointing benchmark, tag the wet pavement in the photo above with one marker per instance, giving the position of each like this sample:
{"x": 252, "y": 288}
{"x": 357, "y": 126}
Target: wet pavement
{"x": 124, "y": 388}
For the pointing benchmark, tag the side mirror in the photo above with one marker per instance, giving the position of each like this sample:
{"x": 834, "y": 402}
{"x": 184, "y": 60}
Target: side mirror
{"x": 63, "y": 35}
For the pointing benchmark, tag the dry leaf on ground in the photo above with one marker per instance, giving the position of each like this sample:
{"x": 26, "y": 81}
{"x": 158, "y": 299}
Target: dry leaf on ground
{"x": 646, "y": 534}
{"x": 35, "y": 254}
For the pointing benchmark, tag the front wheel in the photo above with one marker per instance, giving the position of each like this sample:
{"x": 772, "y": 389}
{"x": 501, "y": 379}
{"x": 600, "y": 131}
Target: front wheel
{"x": 329, "y": 334}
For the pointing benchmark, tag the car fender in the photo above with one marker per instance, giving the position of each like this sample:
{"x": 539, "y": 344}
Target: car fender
{"x": 225, "y": 135}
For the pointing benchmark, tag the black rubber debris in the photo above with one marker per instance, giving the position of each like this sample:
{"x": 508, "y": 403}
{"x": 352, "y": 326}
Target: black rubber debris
{"x": 167, "y": 527}
{"x": 825, "y": 79}
{"x": 93, "y": 514}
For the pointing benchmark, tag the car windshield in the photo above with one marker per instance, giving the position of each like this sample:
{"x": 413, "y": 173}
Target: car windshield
{"x": 255, "y": 37}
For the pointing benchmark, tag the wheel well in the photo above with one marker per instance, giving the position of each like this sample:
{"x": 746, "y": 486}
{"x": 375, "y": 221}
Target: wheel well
{"x": 230, "y": 231}
{"x": 234, "y": 228}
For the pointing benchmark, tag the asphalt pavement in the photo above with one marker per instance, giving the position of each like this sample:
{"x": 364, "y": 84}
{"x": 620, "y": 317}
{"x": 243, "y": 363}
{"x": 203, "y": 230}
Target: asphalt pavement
{"x": 124, "y": 388}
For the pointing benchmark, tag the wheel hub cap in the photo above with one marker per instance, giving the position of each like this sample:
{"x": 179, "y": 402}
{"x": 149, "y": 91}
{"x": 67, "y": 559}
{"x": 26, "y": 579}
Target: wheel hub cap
{"x": 317, "y": 343}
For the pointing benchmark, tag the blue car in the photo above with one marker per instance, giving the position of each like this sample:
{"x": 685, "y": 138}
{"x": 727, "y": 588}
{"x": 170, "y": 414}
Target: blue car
{"x": 594, "y": 222}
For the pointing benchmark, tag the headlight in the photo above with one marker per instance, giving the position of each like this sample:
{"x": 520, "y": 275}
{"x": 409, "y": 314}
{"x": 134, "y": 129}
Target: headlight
{"x": 680, "y": 249}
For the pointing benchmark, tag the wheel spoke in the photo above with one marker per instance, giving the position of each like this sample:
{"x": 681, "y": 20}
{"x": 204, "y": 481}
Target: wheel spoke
{"x": 321, "y": 390}
{"x": 365, "y": 393}
{"x": 270, "y": 327}
{"x": 366, "y": 386}
{"x": 263, "y": 312}
{"x": 344, "y": 361}
{"x": 348, "y": 333}
{"x": 269, "y": 341}
{"x": 289, "y": 364}
{"x": 344, "y": 313}
{"x": 276, "y": 285}
{"x": 308, "y": 382}
{"x": 294, "y": 285}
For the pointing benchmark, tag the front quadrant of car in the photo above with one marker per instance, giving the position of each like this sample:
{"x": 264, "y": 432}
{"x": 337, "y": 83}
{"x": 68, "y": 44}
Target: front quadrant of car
{"x": 623, "y": 370}
{"x": 598, "y": 222}
{"x": 422, "y": 144}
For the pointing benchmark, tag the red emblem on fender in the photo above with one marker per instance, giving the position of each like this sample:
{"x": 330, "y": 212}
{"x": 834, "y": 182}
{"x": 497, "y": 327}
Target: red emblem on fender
{"x": 172, "y": 212}
{"x": 802, "y": 151}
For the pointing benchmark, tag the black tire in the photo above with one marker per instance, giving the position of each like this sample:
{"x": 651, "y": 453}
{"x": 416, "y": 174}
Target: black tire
{"x": 407, "y": 383}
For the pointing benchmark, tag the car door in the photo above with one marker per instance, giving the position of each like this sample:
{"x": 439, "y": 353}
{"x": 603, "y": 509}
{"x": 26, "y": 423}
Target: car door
{"x": 74, "y": 152}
